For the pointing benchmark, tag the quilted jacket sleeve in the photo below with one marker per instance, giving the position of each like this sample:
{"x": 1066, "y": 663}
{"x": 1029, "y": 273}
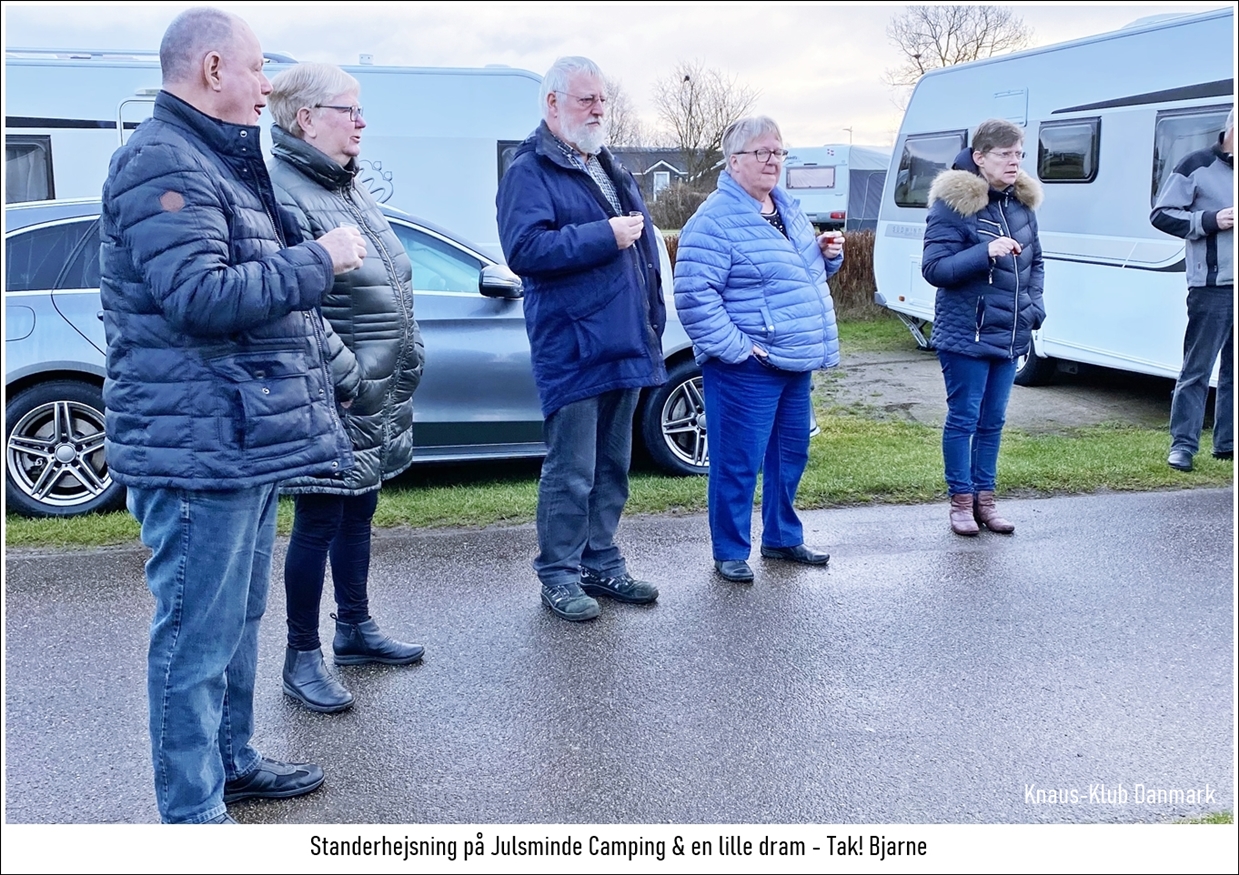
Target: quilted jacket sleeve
{"x": 536, "y": 241}
{"x": 176, "y": 224}
{"x": 702, "y": 267}
{"x": 949, "y": 258}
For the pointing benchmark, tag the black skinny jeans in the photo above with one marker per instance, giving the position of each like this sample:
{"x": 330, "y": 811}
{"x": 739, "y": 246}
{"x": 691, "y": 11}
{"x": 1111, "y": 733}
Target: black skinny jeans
{"x": 323, "y": 524}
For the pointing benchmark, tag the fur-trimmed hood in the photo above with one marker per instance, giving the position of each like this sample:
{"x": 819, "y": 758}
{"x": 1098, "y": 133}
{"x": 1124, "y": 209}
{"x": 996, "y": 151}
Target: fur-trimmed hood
{"x": 964, "y": 190}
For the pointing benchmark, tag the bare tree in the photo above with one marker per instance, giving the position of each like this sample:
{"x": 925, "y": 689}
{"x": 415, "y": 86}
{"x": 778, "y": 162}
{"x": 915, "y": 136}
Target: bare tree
{"x": 695, "y": 104}
{"x": 939, "y": 36}
{"x": 624, "y": 126}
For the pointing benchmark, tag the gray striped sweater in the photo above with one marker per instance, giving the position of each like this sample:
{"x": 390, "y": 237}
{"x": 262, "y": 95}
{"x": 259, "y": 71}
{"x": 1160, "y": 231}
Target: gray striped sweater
{"x": 1187, "y": 207}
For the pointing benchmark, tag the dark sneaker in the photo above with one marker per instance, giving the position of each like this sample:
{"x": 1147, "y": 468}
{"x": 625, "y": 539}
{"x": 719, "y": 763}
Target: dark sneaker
{"x": 624, "y": 588}
{"x": 569, "y": 601}
{"x": 1180, "y": 460}
{"x": 274, "y": 780}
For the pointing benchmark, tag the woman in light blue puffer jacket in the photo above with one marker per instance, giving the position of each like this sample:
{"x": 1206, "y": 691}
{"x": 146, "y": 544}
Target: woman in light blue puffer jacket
{"x": 751, "y": 291}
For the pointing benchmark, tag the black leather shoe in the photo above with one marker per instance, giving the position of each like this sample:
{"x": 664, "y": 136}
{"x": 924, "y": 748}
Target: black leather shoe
{"x": 363, "y": 643}
{"x": 735, "y": 570}
{"x": 274, "y": 780}
{"x": 1227, "y": 456}
{"x": 307, "y": 680}
{"x": 1180, "y": 460}
{"x": 800, "y": 553}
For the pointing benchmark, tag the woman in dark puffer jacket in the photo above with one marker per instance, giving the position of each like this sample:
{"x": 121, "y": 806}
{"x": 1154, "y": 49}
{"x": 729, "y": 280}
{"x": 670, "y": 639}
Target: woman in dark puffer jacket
{"x": 375, "y": 350}
{"x": 983, "y": 254}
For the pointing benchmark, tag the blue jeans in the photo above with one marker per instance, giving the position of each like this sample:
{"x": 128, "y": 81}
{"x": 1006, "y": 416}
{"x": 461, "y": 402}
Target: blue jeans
{"x": 759, "y": 420}
{"x": 1210, "y": 330}
{"x": 977, "y": 391}
{"x": 322, "y": 524}
{"x": 209, "y": 570}
{"x": 584, "y": 487}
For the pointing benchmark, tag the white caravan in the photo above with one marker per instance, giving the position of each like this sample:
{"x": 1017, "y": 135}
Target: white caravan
{"x": 839, "y": 186}
{"x": 1107, "y": 118}
{"x": 436, "y": 142}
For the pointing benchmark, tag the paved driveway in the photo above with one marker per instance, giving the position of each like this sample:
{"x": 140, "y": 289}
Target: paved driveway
{"x": 923, "y": 677}
{"x": 907, "y": 384}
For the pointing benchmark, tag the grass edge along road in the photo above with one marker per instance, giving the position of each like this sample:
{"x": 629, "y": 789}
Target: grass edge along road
{"x": 855, "y": 460}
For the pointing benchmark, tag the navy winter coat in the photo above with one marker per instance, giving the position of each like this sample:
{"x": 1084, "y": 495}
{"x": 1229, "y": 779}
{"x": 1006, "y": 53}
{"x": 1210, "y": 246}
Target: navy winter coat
{"x": 216, "y": 373}
{"x": 985, "y": 307}
{"x": 594, "y": 313}
{"x": 739, "y": 282}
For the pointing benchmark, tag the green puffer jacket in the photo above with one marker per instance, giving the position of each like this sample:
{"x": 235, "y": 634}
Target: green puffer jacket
{"x": 373, "y": 342}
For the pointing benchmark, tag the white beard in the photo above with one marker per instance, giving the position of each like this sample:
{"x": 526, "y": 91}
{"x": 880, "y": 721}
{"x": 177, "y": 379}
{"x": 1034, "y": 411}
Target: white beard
{"x": 588, "y": 138}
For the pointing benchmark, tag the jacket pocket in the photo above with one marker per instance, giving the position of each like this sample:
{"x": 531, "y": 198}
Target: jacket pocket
{"x": 610, "y": 327}
{"x": 767, "y": 324}
{"x": 275, "y": 411}
{"x": 270, "y": 399}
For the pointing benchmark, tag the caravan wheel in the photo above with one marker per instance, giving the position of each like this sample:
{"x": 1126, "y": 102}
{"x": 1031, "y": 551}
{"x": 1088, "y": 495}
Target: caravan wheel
{"x": 1034, "y": 370}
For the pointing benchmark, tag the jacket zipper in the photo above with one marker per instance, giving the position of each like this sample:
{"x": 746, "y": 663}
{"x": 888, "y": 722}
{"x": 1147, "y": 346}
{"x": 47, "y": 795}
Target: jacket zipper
{"x": 1015, "y": 261}
{"x": 389, "y": 265}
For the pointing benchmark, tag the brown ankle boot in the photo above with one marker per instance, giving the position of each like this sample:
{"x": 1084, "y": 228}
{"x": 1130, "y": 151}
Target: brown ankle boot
{"x": 962, "y": 522}
{"x": 987, "y": 514}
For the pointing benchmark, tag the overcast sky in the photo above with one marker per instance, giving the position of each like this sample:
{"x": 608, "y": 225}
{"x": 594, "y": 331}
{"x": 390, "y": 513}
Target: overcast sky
{"x": 818, "y": 67}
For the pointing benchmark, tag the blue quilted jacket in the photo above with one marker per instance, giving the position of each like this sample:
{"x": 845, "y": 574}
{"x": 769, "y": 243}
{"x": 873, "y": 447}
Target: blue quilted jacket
{"x": 216, "y": 374}
{"x": 594, "y": 313}
{"x": 739, "y": 282}
{"x": 985, "y": 307}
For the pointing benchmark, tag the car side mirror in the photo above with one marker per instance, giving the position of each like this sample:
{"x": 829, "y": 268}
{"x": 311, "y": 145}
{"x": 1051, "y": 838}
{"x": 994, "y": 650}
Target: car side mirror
{"x": 497, "y": 281}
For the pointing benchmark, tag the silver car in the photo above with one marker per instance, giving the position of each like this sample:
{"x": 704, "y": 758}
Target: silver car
{"x": 477, "y": 399}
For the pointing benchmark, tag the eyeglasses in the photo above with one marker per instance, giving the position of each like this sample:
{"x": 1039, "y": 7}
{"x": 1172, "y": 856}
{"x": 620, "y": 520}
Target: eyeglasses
{"x": 354, "y": 112}
{"x": 764, "y": 155}
{"x": 1008, "y": 154}
{"x": 586, "y": 102}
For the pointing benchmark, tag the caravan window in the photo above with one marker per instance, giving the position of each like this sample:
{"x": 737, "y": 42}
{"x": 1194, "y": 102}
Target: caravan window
{"x": 28, "y": 169}
{"x": 1178, "y": 134}
{"x": 811, "y": 177}
{"x": 1067, "y": 151}
{"x": 924, "y": 157}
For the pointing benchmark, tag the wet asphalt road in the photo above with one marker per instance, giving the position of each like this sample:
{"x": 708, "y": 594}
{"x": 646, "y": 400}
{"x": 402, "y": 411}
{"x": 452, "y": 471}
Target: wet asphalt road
{"x": 923, "y": 677}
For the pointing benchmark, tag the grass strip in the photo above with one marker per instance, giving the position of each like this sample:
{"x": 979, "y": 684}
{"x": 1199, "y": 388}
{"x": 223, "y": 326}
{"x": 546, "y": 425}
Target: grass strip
{"x": 855, "y": 460}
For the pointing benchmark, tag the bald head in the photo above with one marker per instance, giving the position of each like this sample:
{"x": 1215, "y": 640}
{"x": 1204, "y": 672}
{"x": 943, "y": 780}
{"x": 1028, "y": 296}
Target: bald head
{"x": 190, "y": 37}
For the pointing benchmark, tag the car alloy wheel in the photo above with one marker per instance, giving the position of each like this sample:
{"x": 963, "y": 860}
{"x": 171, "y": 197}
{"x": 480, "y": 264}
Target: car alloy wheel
{"x": 54, "y": 459}
{"x": 674, "y": 422}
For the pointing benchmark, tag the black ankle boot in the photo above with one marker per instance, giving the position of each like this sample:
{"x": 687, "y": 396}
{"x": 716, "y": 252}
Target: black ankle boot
{"x": 362, "y": 643}
{"x": 307, "y": 680}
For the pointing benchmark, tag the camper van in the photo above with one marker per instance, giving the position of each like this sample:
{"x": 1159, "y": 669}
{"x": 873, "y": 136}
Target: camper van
{"x": 839, "y": 186}
{"x": 1106, "y": 120}
{"x": 437, "y": 139}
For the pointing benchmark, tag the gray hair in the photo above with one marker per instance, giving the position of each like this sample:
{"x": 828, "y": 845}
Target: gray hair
{"x": 1230, "y": 120}
{"x": 996, "y": 133}
{"x": 556, "y": 78}
{"x": 305, "y": 85}
{"x": 189, "y": 38}
{"x": 745, "y": 130}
